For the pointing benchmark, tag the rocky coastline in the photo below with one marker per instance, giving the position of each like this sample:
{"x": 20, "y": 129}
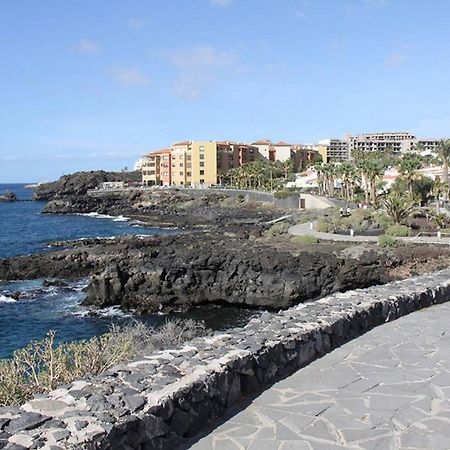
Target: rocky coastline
{"x": 222, "y": 257}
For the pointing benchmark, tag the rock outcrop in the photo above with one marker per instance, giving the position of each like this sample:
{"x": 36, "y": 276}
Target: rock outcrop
{"x": 8, "y": 197}
{"x": 79, "y": 183}
{"x": 177, "y": 272}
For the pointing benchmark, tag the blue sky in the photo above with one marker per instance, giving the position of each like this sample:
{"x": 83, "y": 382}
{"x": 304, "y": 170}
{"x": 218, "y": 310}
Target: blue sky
{"x": 94, "y": 84}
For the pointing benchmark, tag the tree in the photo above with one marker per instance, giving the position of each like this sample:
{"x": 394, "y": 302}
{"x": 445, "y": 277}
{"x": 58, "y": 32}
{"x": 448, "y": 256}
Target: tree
{"x": 443, "y": 155}
{"x": 287, "y": 167}
{"x": 398, "y": 207}
{"x": 440, "y": 189}
{"x": 408, "y": 165}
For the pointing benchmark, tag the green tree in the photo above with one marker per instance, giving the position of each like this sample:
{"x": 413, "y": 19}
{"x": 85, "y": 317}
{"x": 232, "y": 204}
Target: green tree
{"x": 409, "y": 165}
{"x": 443, "y": 155}
{"x": 398, "y": 207}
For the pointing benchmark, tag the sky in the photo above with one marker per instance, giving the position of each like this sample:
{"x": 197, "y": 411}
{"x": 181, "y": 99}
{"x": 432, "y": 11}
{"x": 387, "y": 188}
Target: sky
{"x": 88, "y": 85}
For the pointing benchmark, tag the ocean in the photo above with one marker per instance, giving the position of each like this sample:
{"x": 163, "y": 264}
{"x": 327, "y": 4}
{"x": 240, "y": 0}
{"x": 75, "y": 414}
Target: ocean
{"x": 30, "y": 308}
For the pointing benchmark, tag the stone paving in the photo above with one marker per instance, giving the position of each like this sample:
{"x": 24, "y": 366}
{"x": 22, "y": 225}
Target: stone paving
{"x": 306, "y": 229}
{"x": 389, "y": 389}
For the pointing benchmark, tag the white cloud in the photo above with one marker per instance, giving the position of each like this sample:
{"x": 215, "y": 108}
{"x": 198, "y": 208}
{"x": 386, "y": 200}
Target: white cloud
{"x": 130, "y": 76}
{"x": 221, "y": 3}
{"x": 200, "y": 59}
{"x": 87, "y": 46}
{"x": 138, "y": 23}
{"x": 198, "y": 68}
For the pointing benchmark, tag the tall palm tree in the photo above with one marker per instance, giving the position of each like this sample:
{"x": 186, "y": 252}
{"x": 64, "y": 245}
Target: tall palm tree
{"x": 443, "y": 154}
{"x": 408, "y": 165}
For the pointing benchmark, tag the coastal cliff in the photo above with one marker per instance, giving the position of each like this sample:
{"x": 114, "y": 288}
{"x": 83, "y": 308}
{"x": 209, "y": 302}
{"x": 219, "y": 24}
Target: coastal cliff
{"x": 77, "y": 184}
{"x": 177, "y": 272}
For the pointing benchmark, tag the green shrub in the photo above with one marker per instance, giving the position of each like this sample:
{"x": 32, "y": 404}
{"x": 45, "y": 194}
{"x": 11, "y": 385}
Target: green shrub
{"x": 282, "y": 194}
{"x": 398, "y": 231}
{"x": 324, "y": 226}
{"x": 277, "y": 229}
{"x": 383, "y": 220}
{"x": 305, "y": 239}
{"x": 42, "y": 366}
{"x": 387, "y": 241}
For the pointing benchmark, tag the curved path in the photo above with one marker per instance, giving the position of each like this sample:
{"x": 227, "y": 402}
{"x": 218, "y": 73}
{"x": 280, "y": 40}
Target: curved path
{"x": 303, "y": 229}
{"x": 388, "y": 389}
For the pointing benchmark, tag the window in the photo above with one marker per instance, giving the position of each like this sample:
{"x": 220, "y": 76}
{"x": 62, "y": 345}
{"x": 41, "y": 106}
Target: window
{"x": 202, "y": 156}
{"x": 181, "y": 164}
{"x": 188, "y": 174}
{"x": 202, "y": 181}
{"x": 188, "y": 165}
{"x": 181, "y": 173}
{"x": 152, "y": 172}
{"x": 202, "y": 172}
{"x": 188, "y": 157}
{"x": 201, "y": 148}
{"x": 174, "y": 165}
{"x": 202, "y": 164}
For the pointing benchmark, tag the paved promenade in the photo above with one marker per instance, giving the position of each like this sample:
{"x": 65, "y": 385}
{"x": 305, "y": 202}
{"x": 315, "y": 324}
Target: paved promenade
{"x": 305, "y": 229}
{"x": 388, "y": 389}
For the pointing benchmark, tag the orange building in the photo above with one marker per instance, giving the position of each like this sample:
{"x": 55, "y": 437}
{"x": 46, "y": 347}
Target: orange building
{"x": 156, "y": 168}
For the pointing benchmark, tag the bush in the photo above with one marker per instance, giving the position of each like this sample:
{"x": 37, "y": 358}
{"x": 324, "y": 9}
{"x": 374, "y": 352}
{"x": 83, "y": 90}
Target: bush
{"x": 383, "y": 220}
{"x": 282, "y": 194}
{"x": 277, "y": 229}
{"x": 41, "y": 366}
{"x": 240, "y": 198}
{"x": 305, "y": 239}
{"x": 398, "y": 231}
{"x": 387, "y": 241}
{"x": 323, "y": 226}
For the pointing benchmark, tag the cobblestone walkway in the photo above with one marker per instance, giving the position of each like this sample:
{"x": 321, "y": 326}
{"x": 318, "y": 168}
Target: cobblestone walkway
{"x": 388, "y": 389}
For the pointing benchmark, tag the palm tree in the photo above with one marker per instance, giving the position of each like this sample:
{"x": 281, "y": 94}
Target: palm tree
{"x": 318, "y": 167}
{"x": 439, "y": 189}
{"x": 408, "y": 165}
{"x": 443, "y": 154}
{"x": 398, "y": 207}
{"x": 287, "y": 167}
{"x": 373, "y": 170}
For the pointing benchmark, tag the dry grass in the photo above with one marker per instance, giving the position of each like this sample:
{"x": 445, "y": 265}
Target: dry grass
{"x": 42, "y": 366}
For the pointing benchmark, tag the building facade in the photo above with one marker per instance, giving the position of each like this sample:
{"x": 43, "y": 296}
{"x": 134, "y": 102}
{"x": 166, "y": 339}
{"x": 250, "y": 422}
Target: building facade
{"x": 155, "y": 168}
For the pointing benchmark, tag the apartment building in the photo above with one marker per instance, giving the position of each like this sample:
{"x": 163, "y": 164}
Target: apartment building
{"x": 334, "y": 150}
{"x": 398, "y": 142}
{"x": 281, "y": 151}
{"x": 156, "y": 168}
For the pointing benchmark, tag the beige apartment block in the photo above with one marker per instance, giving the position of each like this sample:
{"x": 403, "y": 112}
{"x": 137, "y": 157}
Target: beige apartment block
{"x": 203, "y": 171}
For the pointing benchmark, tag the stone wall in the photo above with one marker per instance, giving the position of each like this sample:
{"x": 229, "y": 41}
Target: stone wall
{"x": 161, "y": 399}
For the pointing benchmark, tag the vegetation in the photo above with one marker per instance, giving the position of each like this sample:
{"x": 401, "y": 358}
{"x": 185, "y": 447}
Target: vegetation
{"x": 305, "y": 239}
{"x": 441, "y": 220}
{"x": 42, "y": 366}
{"x": 277, "y": 229}
{"x": 398, "y": 231}
{"x": 398, "y": 207}
{"x": 443, "y": 156}
{"x": 387, "y": 241}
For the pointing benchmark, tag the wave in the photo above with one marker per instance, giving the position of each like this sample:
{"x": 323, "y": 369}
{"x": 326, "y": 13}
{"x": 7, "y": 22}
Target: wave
{"x": 111, "y": 311}
{"x": 6, "y": 299}
{"x": 121, "y": 219}
{"x": 96, "y": 215}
